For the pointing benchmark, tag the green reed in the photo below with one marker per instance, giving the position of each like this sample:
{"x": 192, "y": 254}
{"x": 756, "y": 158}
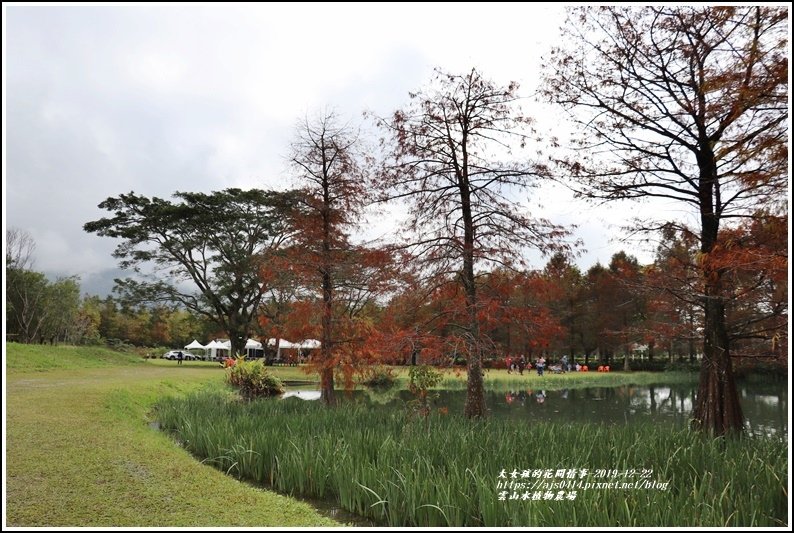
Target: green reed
{"x": 382, "y": 463}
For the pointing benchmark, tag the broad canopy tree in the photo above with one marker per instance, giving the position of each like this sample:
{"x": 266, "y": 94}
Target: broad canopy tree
{"x": 449, "y": 157}
{"x": 689, "y": 105}
{"x": 208, "y": 252}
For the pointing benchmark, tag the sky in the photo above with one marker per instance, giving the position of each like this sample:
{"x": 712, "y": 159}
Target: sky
{"x": 104, "y": 100}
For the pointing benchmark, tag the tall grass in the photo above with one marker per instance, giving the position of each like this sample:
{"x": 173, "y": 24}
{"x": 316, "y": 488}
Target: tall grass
{"x": 376, "y": 462}
{"x": 500, "y": 379}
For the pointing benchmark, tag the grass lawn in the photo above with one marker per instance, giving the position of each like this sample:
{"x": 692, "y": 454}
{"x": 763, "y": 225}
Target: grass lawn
{"x": 80, "y": 451}
{"x": 286, "y": 373}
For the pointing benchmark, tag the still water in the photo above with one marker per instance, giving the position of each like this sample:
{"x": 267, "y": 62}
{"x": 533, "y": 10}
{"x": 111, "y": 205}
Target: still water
{"x": 765, "y": 405}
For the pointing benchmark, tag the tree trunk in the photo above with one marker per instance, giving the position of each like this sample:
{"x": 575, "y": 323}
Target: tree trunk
{"x": 626, "y": 366}
{"x": 717, "y": 408}
{"x": 475, "y": 392}
{"x": 652, "y": 391}
{"x": 237, "y": 337}
{"x": 326, "y": 365}
{"x": 326, "y": 349}
{"x": 327, "y": 394}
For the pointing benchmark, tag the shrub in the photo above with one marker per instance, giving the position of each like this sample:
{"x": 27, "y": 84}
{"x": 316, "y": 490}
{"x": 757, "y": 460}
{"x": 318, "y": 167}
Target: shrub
{"x": 683, "y": 366}
{"x": 645, "y": 365}
{"x": 378, "y": 376}
{"x": 422, "y": 378}
{"x": 756, "y": 367}
{"x": 253, "y": 380}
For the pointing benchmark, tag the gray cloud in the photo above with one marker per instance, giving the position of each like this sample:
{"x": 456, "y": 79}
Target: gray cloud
{"x": 155, "y": 99}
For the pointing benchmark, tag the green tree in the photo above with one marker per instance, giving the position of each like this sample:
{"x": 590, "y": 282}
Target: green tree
{"x": 26, "y": 309}
{"x": 204, "y": 251}
{"x": 61, "y": 305}
{"x": 88, "y": 321}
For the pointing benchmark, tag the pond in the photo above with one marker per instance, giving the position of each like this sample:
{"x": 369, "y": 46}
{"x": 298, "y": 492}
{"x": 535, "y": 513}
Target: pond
{"x": 765, "y": 405}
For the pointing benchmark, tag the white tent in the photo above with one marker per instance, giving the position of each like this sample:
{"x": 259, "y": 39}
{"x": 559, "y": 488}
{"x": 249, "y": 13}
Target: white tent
{"x": 251, "y": 344}
{"x": 251, "y": 347}
{"x": 283, "y": 344}
{"x": 195, "y": 345}
{"x": 310, "y": 344}
{"x": 214, "y": 346}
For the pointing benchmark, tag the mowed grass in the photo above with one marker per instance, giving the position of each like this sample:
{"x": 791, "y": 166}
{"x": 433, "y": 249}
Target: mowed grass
{"x": 287, "y": 373}
{"x": 80, "y": 451}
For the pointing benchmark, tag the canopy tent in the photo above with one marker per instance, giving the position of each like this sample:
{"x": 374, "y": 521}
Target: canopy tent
{"x": 308, "y": 344}
{"x": 214, "y": 346}
{"x": 195, "y": 345}
{"x": 283, "y": 343}
{"x": 252, "y": 347}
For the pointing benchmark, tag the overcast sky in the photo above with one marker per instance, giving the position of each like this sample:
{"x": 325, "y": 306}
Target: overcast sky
{"x": 153, "y": 99}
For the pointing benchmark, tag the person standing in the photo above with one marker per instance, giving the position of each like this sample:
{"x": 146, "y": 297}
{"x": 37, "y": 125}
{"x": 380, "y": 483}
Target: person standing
{"x": 509, "y": 363}
{"x": 179, "y": 358}
{"x": 522, "y": 364}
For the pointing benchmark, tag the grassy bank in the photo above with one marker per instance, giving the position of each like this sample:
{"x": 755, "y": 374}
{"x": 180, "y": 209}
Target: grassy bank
{"x": 501, "y": 380}
{"x": 80, "y": 451}
{"x": 43, "y": 357}
{"x": 376, "y": 463}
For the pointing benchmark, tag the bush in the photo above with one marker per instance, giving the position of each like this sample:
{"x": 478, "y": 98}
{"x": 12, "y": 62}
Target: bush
{"x": 756, "y": 367}
{"x": 422, "y": 378}
{"x": 657, "y": 365}
{"x": 683, "y": 366}
{"x": 378, "y": 376}
{"x": 494, "y": 363}
{"x": 253, "y": 380}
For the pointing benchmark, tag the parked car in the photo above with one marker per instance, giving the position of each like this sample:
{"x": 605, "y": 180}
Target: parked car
{"x": 173, "y": 355}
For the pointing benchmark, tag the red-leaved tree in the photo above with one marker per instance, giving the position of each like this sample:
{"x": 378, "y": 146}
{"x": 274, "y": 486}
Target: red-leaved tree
{"x": 339, "y": 279}
{"x": 688, "y": 105}
{"x": 450, "y": 159}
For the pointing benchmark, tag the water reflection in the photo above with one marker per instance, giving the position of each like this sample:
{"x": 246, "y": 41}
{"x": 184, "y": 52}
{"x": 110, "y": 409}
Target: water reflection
{"x": 765, "y": 405}
{"x": 765, "y": 413}
{"x": 302, "y": 394}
